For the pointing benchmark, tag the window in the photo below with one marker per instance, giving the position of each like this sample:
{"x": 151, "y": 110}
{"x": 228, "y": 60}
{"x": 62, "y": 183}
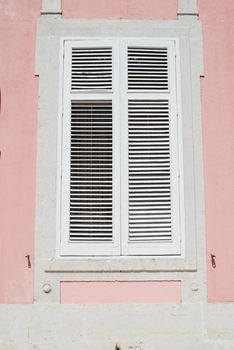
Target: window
{"x": 120, "y": 183}
{"x": 57, "y": 258}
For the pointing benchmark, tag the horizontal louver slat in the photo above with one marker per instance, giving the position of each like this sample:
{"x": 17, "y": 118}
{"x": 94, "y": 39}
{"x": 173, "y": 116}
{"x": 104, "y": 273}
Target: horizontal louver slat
{"x": 92, "y": 70}
{"x": 149, "y": 172}
{"x": 91, "y": 172}
{"x": 147, "y": 68}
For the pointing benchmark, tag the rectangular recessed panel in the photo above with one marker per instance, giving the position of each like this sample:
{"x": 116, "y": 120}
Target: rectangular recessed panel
{"x": 147, "y": 68}
{"x": 149, "y": 171}
{"x": 91, "y": 68}
{"x": 91, "y": 171}
{"x": 124, "y": 292}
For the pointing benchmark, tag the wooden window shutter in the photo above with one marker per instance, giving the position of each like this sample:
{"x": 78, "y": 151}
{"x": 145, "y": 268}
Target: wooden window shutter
{"x": 91, "y": 68}
{"x": 91, "y": 171}
{"x": 89, "y": 178}
{"x": 147, "y": 68}
{"x": 149, "y": 171}
{"x": 120, "y": 153}
{"x": 152, "y": 222}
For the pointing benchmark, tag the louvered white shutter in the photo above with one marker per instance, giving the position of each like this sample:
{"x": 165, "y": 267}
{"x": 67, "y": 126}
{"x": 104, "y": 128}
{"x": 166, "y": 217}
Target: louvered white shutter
{"x": 91, "y": 68}
{"x": 120, "y": 190}
{"x": 151, "y": 223}
{"x": 91, "y": 171}
{"x": 147, "y": 68}
{"x": 90, "y": 162}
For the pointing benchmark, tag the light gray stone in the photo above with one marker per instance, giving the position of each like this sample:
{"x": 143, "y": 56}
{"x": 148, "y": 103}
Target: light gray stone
{"x": 51, "y": 7}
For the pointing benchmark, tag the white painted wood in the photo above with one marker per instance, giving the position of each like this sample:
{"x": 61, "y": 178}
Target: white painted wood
{"x": 156, "y": 237}
{"x": 102, "y": 243}
{"x": 142, "y": 238}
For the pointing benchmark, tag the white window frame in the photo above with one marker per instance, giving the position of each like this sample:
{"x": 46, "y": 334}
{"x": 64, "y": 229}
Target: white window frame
{"x": 119, "y": 96}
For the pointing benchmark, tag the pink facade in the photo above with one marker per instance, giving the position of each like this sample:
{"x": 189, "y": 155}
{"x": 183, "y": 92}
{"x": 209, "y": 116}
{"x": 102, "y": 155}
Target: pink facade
{"x": 131, "y": 9}
{"x": 19, "y": 104}
{"x": 18, "y": 148}
{"x": 121, "y": 292}
{"x": 218, "y": 141}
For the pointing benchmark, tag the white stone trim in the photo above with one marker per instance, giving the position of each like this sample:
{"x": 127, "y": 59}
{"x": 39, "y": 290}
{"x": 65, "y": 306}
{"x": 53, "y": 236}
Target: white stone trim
{"x": 50, "y": 7}
{"x": 187, "y": 8}
{"x": 192, "y": 326}
{"x": 49, "y": 267}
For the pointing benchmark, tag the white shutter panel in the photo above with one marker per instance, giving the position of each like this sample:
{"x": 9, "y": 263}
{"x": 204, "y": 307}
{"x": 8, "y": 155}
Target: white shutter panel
{"x": 149, "y": 171}
{"x": 91, "y": 68}
{"x": 89, "y": 178}
{"x": 152, "y": 226}
{"x": 147, "y": 68}
{"x": 91, "y": 171}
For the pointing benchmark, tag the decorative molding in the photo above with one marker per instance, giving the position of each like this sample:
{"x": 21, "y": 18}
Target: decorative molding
{"x": 187, "y": 8}
{"x": 51, "y": 7}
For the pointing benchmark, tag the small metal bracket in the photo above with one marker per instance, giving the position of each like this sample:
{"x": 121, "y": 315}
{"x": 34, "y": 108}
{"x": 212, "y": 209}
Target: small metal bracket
{"x": 213, "y": 262}
{"x": 29, "y": 261}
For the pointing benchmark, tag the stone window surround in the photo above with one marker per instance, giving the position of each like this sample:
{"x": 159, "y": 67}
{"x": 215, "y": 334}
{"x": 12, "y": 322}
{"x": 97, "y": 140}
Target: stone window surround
{"x": 49, "y": 267}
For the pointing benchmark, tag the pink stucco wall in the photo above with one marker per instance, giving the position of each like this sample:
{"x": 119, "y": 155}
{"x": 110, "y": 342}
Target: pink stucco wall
{"x": 17, "y": 144}
{"x": 18, "y": 134}
{"x": 121, "y": 292}
{"x": 218, "y": 140}
{"x": 132, "y": 9}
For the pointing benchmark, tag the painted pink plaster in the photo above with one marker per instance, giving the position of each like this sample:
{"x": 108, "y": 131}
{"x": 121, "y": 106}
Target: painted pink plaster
{"x": 121, "y": 292}
{"x": 17, "y": 144}
{"x": 218, "y": 140}
{"x": 18, "y": 139}
{"x": 132, "y": 9}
